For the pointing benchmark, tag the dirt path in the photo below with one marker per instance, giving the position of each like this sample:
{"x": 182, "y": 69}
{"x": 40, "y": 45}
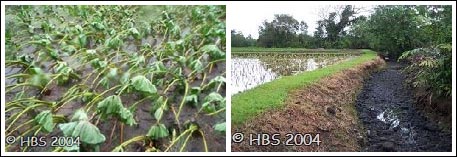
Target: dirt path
{"x": 391, "y": 121}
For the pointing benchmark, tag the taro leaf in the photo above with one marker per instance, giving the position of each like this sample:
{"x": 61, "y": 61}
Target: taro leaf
{"x": 112, "y": 73}
{"x": 88, "y": 96}
{"x": 216, "y": 80}
{"x": 127, "y": 116}
{"x": 157, "y": 131}
{"x": 45, "y": 120}
{"x": 39, "y": 78}
{"x": 82, "y": 40}
{"x": 97, "y": 64}
{"x": 220, "y": 127}
{"x": 141, "y": 83}
{"x": 209, "y": 107}
{"x": 53, "y": 54}
{"x": 158, "y": 113}
{"x": 135, "y": 33}
{"x": 192, "y": 99}
{"x": 98, "y": 25}
{"x": 182, "y": 60}
{"x": 82, "y": 128}
{"x": 196, "y": 65}
{"x": 157, "y": 104}
{"x": 79, "y": 115}
{"x": 112, "y": 105}
{"x": 114, "y": 42}
{"x": 213, "y": 51}
{"x": 210, "y": 100}
{"x": 125, "y": 78}
{"x": 158, "y": 66}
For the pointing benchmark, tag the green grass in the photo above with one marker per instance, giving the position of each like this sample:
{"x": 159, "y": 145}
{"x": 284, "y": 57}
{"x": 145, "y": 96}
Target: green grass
{"x": 293, "y": 50}
{"x": 272, "y": 95}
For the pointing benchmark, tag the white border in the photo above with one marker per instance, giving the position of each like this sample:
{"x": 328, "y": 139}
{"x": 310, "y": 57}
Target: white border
{"x": 231, "y": 7}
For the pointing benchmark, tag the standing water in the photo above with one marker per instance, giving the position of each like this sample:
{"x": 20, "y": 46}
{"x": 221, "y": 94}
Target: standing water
{"x": 249, "y": 71}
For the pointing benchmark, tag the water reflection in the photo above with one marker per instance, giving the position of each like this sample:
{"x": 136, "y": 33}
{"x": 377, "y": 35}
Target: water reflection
{"x": 251, "y": 71}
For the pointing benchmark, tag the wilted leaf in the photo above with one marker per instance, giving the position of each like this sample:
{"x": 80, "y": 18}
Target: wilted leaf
{"x": 213, "y": 51}
{"x": 157, "y": 131}
{"x": 220, "y": 127}
{"x": 45, "y": 120}
{"x": 141, "y": 83}
{"x": 196, "y": 65}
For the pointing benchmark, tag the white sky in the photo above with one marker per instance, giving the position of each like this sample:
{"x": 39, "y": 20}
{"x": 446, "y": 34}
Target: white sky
{"x": 248, "y": 17}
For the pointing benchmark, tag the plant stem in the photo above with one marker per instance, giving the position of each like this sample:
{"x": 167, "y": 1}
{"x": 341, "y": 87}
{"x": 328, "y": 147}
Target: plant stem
{"x": 182, "y": 101}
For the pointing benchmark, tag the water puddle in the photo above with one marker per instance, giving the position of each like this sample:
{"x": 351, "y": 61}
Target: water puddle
{"x": 390, "y": 118}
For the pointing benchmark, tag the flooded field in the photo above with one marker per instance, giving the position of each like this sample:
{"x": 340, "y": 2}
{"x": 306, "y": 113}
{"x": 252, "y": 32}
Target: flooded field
{"x": 252, "y": 69}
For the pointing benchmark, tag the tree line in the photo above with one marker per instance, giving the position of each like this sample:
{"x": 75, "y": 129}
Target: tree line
{"x": 390, "y": 30}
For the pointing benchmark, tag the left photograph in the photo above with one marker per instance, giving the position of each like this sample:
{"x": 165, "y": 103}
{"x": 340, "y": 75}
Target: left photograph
{"x": 96, "y": 78}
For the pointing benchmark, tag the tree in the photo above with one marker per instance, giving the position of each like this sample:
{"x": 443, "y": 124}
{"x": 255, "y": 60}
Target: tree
{"x": 281, "y": 32}
{"x": 238, "y": 39}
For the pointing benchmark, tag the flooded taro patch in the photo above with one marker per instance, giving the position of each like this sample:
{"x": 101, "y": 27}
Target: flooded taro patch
{"x": 252, "y": 69}
{"x": 115, "y": 78}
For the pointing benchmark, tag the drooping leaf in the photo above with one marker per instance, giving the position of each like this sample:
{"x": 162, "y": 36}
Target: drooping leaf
{"x": 157, "y": 131}
{"x": 141, "y": 83}
{"x": 82, "y": 128}
{"x": 197, "y": 65}
{"x": 213, "y": 51}
{"x": 158, "y": 113}
{"x": 45, "y": 120}
{"x": 112, "y": 106}
{"x": 79, "y": 115}
{"x": 210, "y": 101}
{"x": 220, "y": 127}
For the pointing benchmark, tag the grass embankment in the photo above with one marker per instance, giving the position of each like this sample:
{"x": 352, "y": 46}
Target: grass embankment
{"x": 273, "y": 94}
{"x": 289, "y": 50}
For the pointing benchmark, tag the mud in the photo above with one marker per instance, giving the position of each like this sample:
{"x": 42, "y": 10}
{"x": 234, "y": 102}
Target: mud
{"x": 390, "y": 119}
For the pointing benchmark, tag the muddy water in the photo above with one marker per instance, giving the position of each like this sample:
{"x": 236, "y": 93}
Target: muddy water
{"x": 253, "y": 70}
{"x": 392, "y": 123}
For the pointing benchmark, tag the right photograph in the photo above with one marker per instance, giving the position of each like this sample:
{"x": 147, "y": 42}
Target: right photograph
{"x": 341, "y": 78}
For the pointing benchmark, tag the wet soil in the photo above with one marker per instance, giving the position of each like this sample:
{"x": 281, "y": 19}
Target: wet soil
{"x": 390, "y": 119}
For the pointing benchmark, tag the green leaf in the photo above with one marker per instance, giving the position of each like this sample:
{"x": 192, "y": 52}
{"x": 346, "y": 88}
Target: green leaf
{"x": 210, "y": 101}
{"x": 82, "y": 40}
{"x": 141, "y": 83}
{"x": 196, "y": 65}
{"x": 220, "y": 127}
{"x": 192, "y": 99}
{"x": 45, "y": 120}
{"x": 112, "y": 73}
{"x": 213, "y": 51}
{"x": 79, "y": 115}
{"x": 158, "y": 113}
{"x": 112, "y": 106}
{"x": 135, "y": 33}
{"x": 157, "y": 131}
{"x": 82, "y": 128}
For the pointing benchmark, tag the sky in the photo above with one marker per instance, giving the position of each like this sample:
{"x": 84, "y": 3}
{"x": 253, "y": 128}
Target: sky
{"x": 248, "y": 18}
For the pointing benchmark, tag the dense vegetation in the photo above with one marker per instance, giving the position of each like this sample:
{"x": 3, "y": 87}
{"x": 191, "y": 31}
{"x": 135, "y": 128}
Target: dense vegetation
{"x": 117, "y": 77}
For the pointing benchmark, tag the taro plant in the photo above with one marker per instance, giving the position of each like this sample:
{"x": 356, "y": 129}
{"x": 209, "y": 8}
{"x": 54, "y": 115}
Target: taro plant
{"x": 109, "y": 67}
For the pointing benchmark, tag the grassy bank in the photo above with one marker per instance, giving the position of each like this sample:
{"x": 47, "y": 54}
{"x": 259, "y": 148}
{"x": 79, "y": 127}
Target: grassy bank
{"x": 293, "y": 50}
{"x": 273, "y": 94}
